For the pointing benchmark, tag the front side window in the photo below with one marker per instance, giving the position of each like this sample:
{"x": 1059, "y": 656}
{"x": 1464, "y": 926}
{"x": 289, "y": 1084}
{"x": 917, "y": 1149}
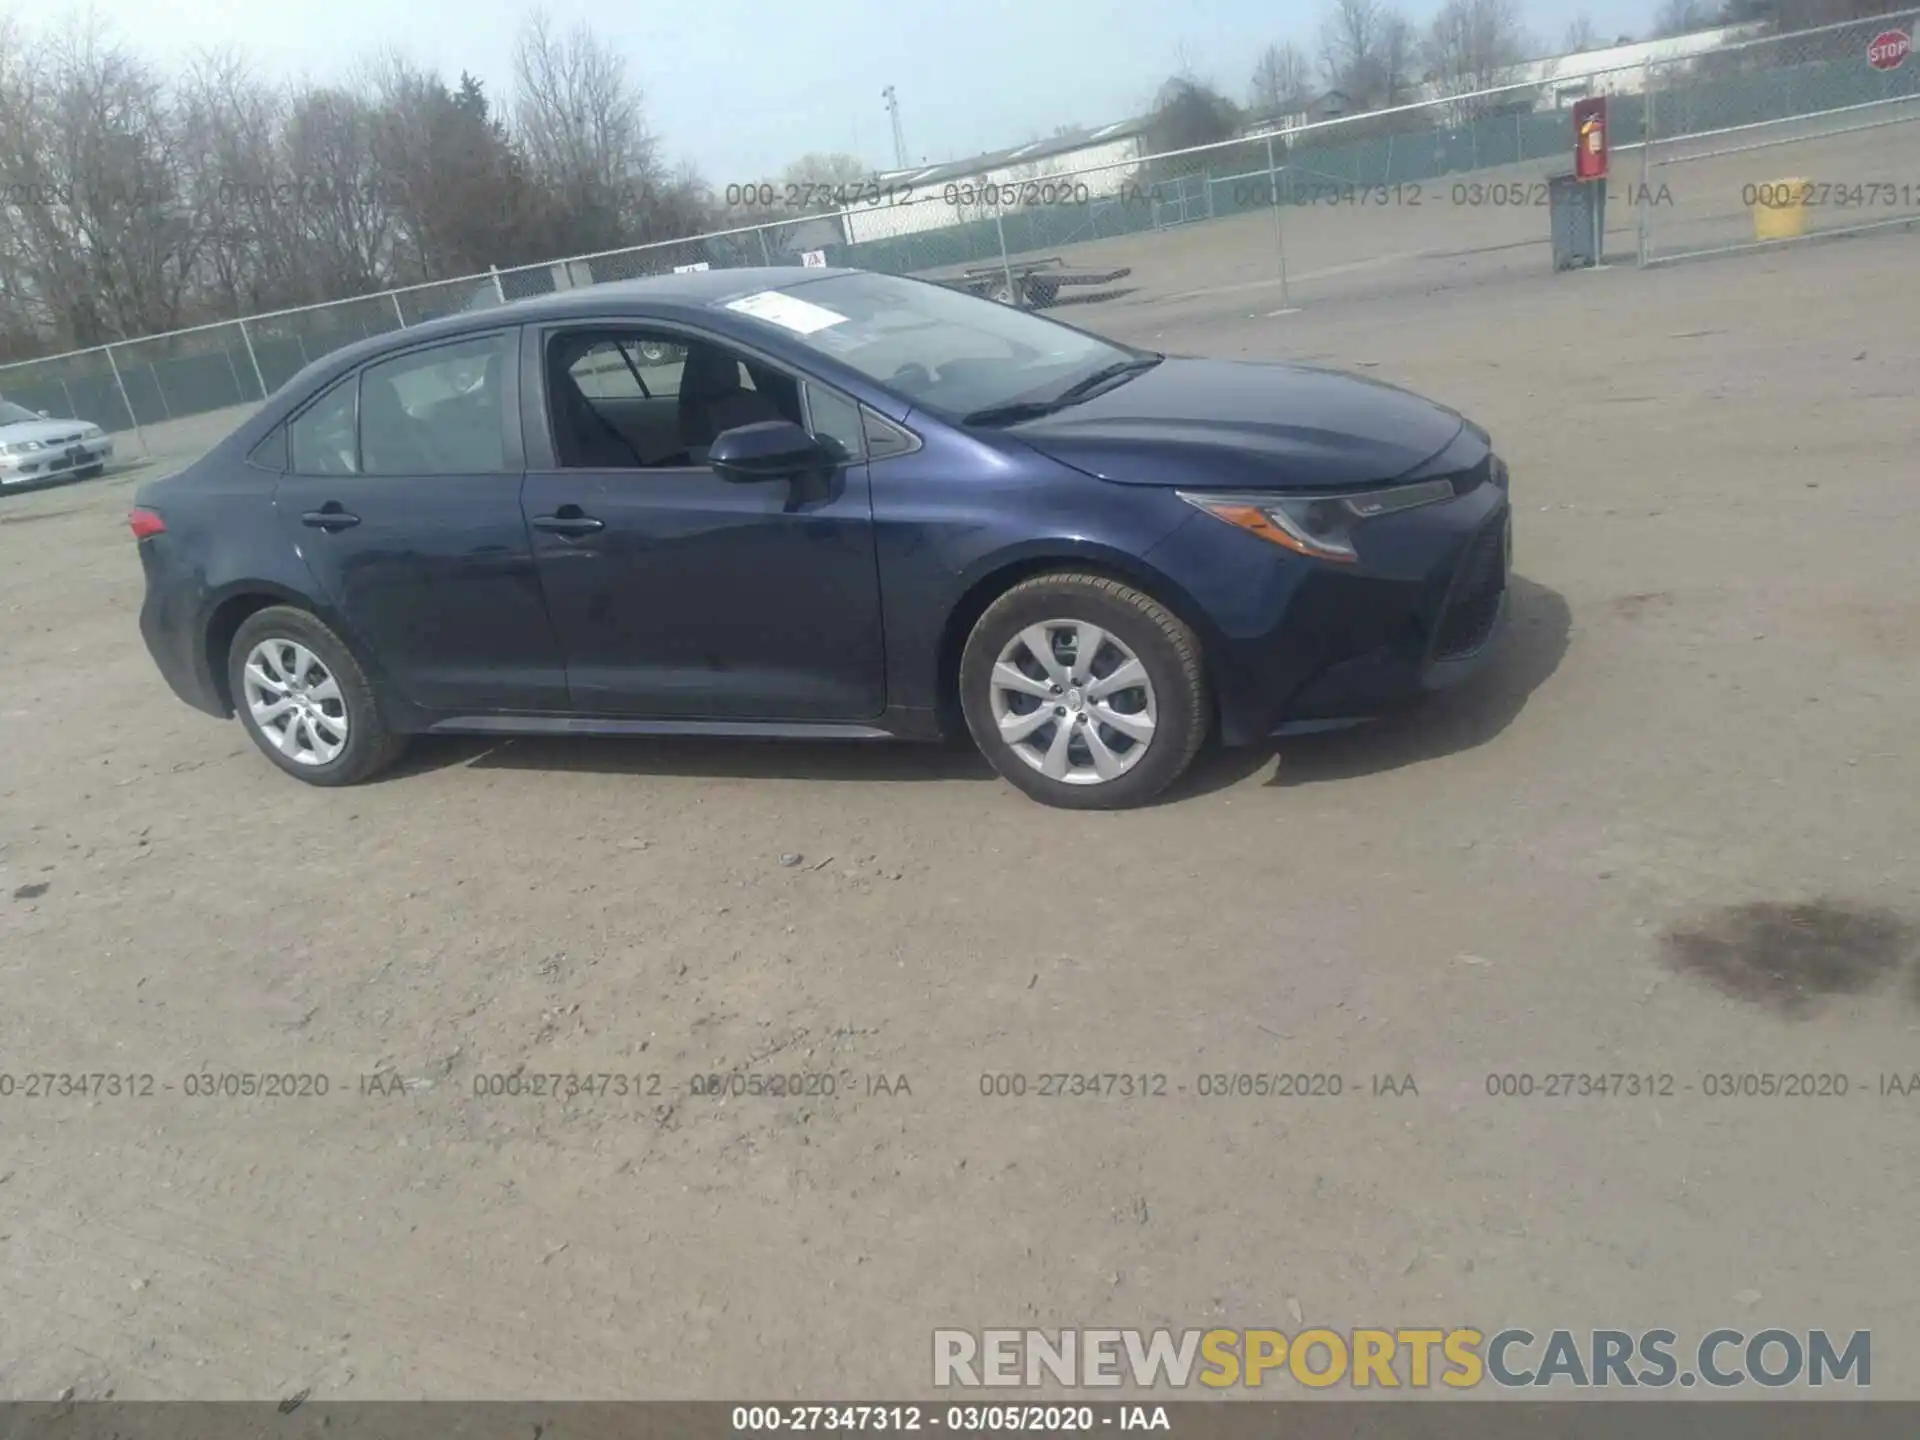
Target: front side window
{"x": 948, "y": 351}
{"x": 439, "y": 411}
{"x": 323, "y": 436}
{"x": 630, "y": 399}
{"x": 616, "y": 369}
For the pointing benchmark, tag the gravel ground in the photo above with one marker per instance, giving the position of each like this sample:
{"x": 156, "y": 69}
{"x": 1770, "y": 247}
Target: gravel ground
{"x": 1671, "y": 832}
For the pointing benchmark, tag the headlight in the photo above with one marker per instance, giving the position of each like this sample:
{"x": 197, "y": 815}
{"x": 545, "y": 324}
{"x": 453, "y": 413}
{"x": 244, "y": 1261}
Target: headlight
{"x": 92, "y": 432}
{"x": 22, "y": 447}
{"x": 1318, "y": 525}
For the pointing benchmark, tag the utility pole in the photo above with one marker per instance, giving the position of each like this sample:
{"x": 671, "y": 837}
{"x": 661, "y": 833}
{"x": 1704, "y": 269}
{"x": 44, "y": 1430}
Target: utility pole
{"x": 899, "y": 135}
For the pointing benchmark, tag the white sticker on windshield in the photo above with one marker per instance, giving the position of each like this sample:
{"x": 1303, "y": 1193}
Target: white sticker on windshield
{"x": 802, "y": 317}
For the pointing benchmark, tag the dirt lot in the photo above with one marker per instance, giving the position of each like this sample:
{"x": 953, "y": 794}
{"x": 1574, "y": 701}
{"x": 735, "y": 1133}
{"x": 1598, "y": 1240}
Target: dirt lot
{"x": 1707, "y": 703}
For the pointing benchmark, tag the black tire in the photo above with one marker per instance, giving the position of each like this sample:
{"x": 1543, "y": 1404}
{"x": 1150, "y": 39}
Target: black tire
{"x": 1167, "y": 649}
{"x": 1041, "y": 294}
{"x": 370, "y": 746}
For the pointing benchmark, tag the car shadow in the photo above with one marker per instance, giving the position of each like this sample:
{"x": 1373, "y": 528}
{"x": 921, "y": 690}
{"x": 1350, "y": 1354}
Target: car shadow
{"x": 1539, "y": 624}
{"x": 716, "y": 759}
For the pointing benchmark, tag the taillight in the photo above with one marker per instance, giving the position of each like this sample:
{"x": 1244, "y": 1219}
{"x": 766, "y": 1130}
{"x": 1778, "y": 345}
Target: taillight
{"x": 146, "y": 524}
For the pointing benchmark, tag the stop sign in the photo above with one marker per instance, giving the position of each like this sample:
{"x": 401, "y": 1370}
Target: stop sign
{"x": 1889, "y": 49}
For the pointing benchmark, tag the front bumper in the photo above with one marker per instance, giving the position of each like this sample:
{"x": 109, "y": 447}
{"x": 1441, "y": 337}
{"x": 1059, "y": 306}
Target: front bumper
{"x": 1439, "y": 649}
{"x": 37, "y": 466}
{"x": 1301, "y": 645}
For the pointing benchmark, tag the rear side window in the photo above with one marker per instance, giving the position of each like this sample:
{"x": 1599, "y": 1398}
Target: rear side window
{"x": 322, "y": 436}
{"x": 439, "y": 411}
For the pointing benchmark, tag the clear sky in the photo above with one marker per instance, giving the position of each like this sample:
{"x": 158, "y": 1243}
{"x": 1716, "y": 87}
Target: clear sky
{"x": 741, "y": 87}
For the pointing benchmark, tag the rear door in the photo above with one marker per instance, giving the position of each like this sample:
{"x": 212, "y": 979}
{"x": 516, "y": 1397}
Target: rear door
{"x": 676, "y": 594}
{"x": 403, "y": 497}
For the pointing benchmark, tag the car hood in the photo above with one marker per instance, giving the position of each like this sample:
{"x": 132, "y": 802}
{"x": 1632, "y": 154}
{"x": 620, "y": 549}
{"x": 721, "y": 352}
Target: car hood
{"x": 1236, "y": 425}
{"x": 47, "y": 432}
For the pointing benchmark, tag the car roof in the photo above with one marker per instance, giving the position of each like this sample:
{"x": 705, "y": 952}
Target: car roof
{"x": 656, "y": 294}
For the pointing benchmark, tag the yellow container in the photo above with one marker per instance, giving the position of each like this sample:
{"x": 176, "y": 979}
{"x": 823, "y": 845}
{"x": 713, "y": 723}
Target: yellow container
{"x": 1780, "y": 209}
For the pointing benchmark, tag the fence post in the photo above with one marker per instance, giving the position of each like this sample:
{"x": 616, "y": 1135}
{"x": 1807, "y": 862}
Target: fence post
{"x": 1279, "y": 232}
{"x": 1641, "y": 205}
{"x": 127, "y": 401}
{"x": 766, "y": 256}
{"x": 247, "y": 340}
{"x": 499, "y": 292}
{"x": 71, "y": 409}
{"x": 1000, "y": 229}
{"x": 226, "y": 354}
{"x": 166, "y": 410}
{"x": 398, "y": 313}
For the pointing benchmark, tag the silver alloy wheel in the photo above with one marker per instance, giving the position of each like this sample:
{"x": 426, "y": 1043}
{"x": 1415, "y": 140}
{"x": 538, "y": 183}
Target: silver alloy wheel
{"x": 1073, "y": 702}
{"x": 295, "y": 701}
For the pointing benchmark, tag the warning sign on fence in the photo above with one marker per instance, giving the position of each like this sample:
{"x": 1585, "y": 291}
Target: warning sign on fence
{"x": 1889, "y": 49}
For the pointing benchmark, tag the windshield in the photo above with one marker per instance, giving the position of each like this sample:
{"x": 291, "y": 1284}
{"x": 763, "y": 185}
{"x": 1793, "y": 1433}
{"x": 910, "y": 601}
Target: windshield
{"x": 11, "y": 414}
{"x": 946, "y": 351}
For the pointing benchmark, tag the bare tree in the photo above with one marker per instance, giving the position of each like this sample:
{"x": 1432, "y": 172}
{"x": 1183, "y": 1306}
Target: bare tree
{"x": 252, "y": 250}
{"x": 1581, "y": 35}
{"x": 95, "y": 172}
{"x": 1677, "y": 17}
{"x": 829, "y": 172}
{"x": 1188, "y": 113}
{"x": 1282, "y": 81}
{"x": 449, "y": 168}
{"x": 1367, "y": 53}
{"x": 579, "y": 119}
{"x": 1474, "y": 45}
{"x": 133, "y": 202}
{"x": 339, "y": 192}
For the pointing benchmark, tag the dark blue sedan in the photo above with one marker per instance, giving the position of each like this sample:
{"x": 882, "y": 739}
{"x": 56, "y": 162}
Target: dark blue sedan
{"x": 820, "y": 503}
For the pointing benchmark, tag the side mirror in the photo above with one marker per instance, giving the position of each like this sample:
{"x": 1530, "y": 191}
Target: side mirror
{"x": 766, "y": 450}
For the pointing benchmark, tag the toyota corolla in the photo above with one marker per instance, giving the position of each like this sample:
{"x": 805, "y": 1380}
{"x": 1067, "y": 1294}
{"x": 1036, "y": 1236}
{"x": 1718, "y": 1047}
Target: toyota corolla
{"x": 820, "y": 503}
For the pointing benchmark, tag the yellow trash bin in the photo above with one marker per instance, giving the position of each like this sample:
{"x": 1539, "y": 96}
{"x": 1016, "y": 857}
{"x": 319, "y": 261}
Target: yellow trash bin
{"x": 1780, "y": 209}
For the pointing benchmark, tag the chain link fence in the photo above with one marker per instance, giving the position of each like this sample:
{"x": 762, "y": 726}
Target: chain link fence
{"x": 1782, "y": 138}
{"x": 1748, "y": 144}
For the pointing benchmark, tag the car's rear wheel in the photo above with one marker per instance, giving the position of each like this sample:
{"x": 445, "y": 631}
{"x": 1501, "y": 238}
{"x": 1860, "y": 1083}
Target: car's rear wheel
{"x": 1084, "y": 692}
{"x": 305, "y": 700}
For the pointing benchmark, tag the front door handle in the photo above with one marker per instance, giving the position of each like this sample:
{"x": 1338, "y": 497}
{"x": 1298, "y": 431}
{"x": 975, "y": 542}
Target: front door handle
{"x": 330, "y": 517}
{"x": 568, "y": 520}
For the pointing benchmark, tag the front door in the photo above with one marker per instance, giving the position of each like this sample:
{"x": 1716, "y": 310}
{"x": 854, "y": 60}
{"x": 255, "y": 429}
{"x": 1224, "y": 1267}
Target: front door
{"x": 403, "y": 497}
{"x": 676, "y": 594}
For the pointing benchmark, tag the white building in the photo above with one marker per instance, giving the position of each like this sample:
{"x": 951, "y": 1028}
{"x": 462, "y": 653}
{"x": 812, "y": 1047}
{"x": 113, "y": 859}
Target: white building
{"x": 1612, "y": 70}
{"x": 1065, "y": 170}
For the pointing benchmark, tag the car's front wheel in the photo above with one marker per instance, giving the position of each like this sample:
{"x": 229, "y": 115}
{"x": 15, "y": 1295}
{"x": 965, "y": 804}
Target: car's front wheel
{"x": 1084, "y": 692}
{"x": 305, "y": 700}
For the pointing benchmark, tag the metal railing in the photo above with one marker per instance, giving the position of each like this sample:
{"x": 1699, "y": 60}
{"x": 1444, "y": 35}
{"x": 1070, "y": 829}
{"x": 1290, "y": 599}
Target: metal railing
{"x": 1440, "y": 174}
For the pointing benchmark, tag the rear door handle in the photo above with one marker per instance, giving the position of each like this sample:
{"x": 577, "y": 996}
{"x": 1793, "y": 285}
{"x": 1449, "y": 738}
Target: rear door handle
{"x": 568, "y": 520}
{"x": 330, "y": 516}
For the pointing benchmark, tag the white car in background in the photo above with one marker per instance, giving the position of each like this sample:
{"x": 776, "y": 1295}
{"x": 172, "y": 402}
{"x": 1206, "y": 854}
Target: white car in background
{"x": 35, "y": 447}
